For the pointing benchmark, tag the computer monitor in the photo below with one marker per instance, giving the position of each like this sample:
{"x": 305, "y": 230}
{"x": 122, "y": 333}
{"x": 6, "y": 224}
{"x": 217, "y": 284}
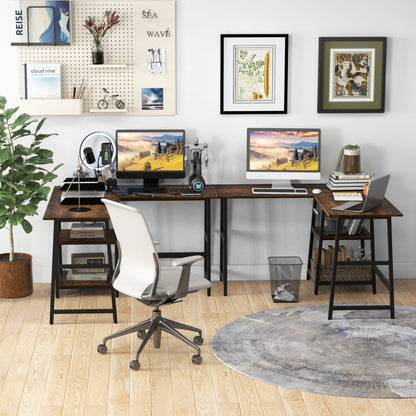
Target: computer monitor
{"x": 281, "y": 155}
{"x": 150, "y": 155}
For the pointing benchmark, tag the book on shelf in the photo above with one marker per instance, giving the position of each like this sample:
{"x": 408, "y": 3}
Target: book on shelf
{"x": 88, "y": 259}
{"x": 42, "y": 81}
{"x": 86, "y": 276}
{"x": 349, "y": 176}
{"x": 334, "y": 180}
{"x": 80, "y": 230}
{"x": 344, "y": 186}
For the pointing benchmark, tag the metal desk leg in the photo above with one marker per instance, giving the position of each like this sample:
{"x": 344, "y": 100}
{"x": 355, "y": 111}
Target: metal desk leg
{"x": 390, "y": 260}
{"x": 311, "y": 238}
{"x": 319, "y": 259}
{"x": 207, "y": 241}
{"x": 373, "y": 256}
{"x": 111, "y": 268}
{"x": 223, "y": 244}
{"x": 55, "y": 271}
{"x": 340, "y": 222}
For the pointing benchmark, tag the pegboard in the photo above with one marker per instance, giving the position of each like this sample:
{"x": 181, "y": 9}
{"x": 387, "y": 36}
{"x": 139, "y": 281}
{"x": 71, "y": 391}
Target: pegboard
{"x": 125, "y": 43}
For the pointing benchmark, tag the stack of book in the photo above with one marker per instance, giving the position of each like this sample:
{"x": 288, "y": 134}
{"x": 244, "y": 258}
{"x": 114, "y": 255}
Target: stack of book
{"x": 340, "y": 181}
{"x": 327, "y": 256}
{"x": 79, "y": 230}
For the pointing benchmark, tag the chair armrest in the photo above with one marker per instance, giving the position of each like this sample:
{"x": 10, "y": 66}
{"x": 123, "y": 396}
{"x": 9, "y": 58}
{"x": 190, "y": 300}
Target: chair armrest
{"x": 186, "y": 263}
{"x": 186, "y": 260}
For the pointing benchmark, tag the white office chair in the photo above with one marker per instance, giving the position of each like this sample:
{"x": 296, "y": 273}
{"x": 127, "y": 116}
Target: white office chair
{"x": 138, "y": 274}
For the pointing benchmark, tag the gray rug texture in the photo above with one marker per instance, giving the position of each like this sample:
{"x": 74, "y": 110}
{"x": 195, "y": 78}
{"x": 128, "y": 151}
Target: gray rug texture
{"x": 357, "y": 354}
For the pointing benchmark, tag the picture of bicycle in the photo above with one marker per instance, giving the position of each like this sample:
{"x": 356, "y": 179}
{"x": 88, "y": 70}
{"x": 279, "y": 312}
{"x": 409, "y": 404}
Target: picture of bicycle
{"x": 103, "y": 103}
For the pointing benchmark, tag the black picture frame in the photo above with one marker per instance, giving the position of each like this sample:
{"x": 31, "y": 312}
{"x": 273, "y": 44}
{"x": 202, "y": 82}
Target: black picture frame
{"x": 263, "y": 91}
{"x": 340, "y": 89}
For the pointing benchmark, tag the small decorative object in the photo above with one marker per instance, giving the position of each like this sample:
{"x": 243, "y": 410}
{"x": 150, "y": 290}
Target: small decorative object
{"x": 103, "y": 103}
{"x": 23, "y": 163}
{"x": 352, "y": 73}
{"x": 254, "y": 74}
{"x": 98, "y": 32}
{"x": 352, "y": 159}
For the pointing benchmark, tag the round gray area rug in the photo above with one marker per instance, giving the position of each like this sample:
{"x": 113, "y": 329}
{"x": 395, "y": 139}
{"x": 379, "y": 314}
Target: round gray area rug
{"x": 357, "y": 354}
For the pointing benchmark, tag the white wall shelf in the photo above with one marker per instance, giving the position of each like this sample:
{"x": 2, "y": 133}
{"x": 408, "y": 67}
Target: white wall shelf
{"x": 103, "y": 66}
{"x": 110, "y": 110}
{"x": 53, "y": 107}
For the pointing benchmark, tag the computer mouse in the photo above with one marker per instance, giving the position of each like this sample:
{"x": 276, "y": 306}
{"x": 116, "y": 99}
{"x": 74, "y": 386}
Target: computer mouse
{"x": 316, "y": 191}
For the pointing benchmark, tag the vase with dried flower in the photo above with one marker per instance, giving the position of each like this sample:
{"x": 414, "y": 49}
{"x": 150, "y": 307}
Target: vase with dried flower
{"x": 98, "y": 31}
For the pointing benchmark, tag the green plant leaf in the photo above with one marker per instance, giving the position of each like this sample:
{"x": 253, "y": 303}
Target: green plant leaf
{"x": 20, "y": 120}
{"x": 39, "y": 126}
{"x": 16, "y": 218}
{"x": 9, "y": 112}
{"x": 28, "y": 209}
{"x": 5, "y": 154}
{"x": 27, "y": 226}
{"x": 3, "y": 102}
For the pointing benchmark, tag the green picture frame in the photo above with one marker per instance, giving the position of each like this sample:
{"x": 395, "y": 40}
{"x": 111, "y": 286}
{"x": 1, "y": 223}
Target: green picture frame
{"x": 352, "y": 74}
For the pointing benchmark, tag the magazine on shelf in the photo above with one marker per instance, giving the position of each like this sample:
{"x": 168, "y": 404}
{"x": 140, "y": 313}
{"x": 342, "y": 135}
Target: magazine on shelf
{"x": 40, "y": 22}
{"x": 42, "y": 81}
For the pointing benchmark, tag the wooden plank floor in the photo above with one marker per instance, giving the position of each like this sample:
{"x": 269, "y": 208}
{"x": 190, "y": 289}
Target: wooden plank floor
{"x": 56, "y": 370}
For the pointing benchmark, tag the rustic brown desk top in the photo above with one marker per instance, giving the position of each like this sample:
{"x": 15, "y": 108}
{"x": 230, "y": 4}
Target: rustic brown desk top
{"x": 56, "y": 211}
{"x": 235, "y": 191}
{"x": 326, "y": 202}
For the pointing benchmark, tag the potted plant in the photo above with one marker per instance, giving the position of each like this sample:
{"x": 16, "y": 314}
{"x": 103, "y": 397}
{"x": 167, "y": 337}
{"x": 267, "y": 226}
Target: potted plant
{"x": 23, "y": 182}
{"x": 352, "y": 161}
{"x": 108, "y": 20}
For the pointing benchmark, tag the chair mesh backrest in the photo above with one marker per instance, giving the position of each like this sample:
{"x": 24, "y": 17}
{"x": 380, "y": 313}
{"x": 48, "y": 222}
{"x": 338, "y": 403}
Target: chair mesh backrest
{"x": 137, "y": 267}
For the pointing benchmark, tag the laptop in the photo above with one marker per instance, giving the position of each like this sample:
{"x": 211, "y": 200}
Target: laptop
{"x": 374, "y": 198}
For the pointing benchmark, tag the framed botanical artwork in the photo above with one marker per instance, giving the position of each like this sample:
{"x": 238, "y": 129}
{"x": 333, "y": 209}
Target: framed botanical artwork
{"x": 254, "y": 74}
{"x": 352, "y": 75}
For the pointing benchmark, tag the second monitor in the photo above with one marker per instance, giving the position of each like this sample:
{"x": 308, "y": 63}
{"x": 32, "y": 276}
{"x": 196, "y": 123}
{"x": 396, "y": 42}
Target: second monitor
{"x": 150, "y": 155}
{"x": 280, "y": 155}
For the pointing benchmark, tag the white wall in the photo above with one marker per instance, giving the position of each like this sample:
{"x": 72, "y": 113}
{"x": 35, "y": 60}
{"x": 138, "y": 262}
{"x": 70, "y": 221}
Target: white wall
{"x": 259, "y": 228}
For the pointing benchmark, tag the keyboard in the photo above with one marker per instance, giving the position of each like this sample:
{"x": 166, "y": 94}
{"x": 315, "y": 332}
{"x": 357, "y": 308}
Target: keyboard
{"x": 279, "y": 191}
{"x": 347, "y": 196}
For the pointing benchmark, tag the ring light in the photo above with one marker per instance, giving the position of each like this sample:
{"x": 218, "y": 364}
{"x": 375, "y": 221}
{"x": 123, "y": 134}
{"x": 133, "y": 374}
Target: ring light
{"x": 94, "y": 141}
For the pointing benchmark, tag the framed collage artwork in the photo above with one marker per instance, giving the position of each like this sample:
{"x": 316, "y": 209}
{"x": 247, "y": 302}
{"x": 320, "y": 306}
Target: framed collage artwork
{"x": 352, "y": 74}
{"x": 254, "y": 74}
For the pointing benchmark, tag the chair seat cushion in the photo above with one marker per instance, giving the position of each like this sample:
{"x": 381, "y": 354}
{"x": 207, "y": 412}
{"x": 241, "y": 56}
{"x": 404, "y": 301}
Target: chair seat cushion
{"x": 169, "y": 280}
{"x": 167, "y": 286}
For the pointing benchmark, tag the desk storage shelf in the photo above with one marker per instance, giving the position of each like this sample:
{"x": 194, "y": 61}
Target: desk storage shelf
{"x": 347, "y": 274}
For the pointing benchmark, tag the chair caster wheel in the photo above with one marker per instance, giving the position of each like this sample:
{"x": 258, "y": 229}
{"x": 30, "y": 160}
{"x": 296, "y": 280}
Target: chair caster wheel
{"x": 141, "y": 334}
{"x": 198, "y": 340}
{"x": 135, "y": 365}
{"x": 197, "y": 359}
{"x": 102, "y": 349}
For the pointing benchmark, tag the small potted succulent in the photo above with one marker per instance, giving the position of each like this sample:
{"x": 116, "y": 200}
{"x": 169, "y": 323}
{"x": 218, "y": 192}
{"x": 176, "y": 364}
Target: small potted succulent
{"x": 98, "y": 31}
{"x": 23, "y": 179}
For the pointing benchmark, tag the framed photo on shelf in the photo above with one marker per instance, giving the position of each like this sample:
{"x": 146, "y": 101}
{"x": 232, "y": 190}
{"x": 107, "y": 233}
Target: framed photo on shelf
{"x": 254, "y": 74}
{"x": 352, "y": 74}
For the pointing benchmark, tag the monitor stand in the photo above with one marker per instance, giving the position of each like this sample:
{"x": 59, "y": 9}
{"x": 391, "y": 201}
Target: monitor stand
{"x": 279, "y": 188}
{"x": 150, "y": 186}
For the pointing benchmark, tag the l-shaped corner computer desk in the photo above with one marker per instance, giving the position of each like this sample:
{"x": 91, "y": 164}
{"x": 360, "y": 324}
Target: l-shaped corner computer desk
{"x": 224, "y": 193}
